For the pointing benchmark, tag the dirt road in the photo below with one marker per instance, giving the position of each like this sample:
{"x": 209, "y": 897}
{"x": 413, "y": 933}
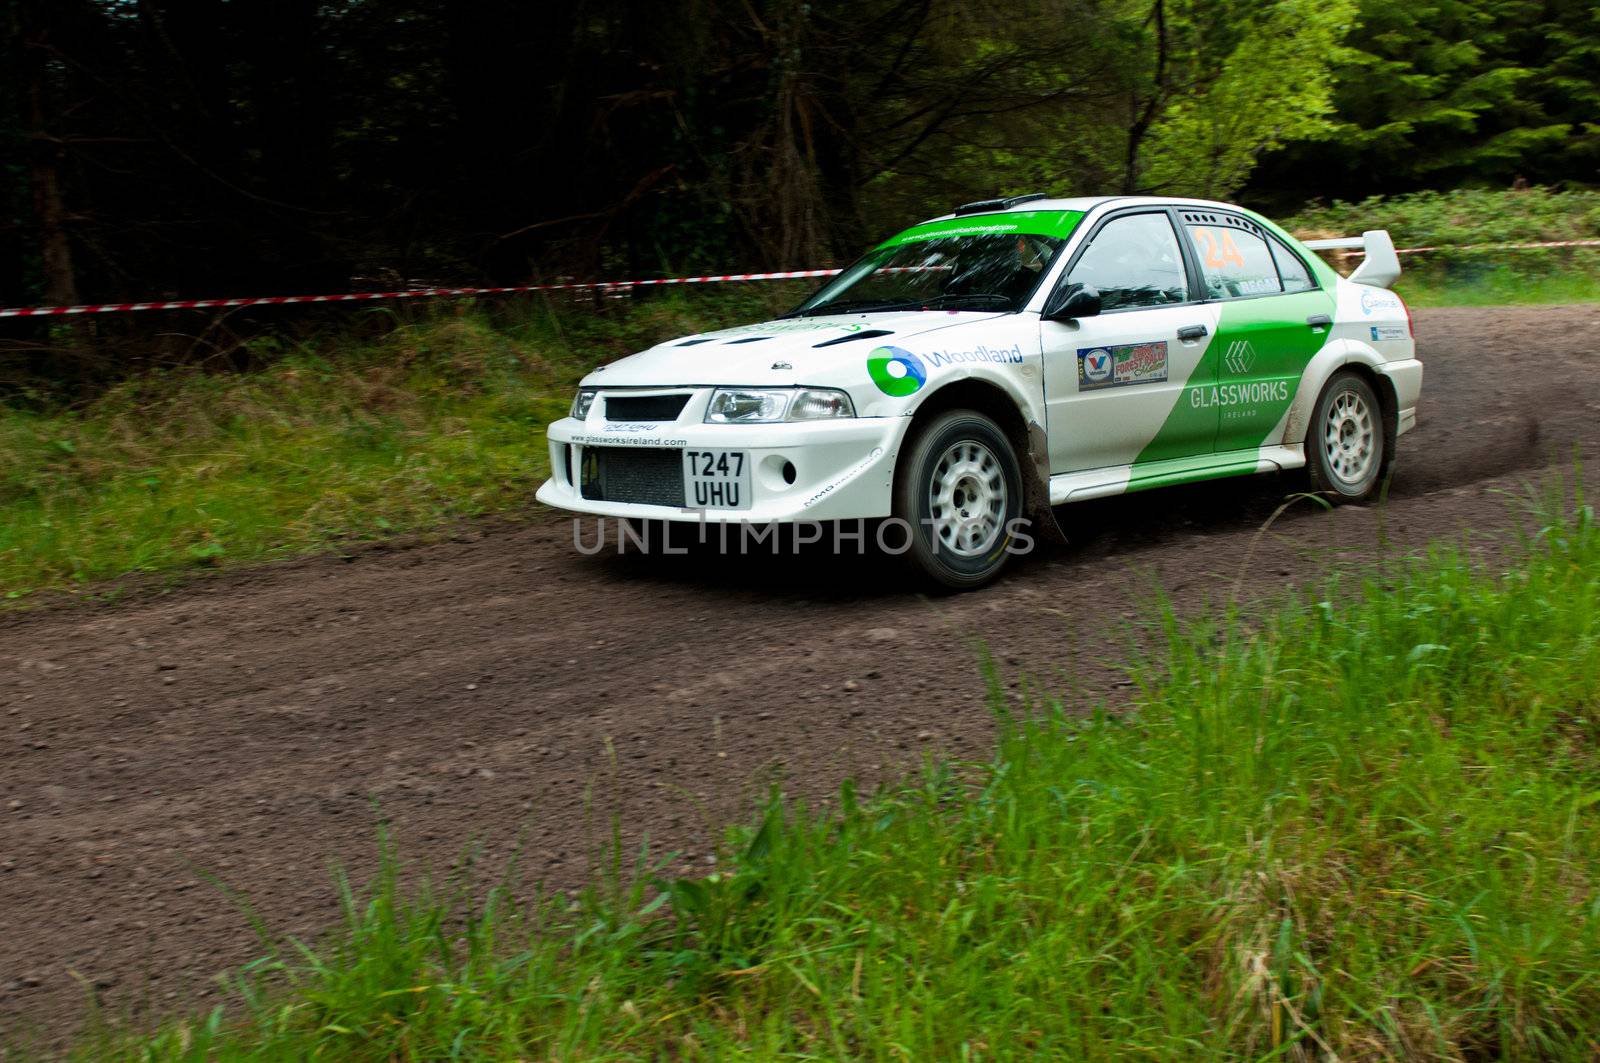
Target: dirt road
{"x": 502, "y": 686}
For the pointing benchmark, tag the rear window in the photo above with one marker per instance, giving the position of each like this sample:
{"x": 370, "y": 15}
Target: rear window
{"x": 1293, "y": 272}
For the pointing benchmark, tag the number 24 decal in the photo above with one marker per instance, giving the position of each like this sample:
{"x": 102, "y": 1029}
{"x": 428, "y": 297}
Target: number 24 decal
{"x": 1218, "y": 252}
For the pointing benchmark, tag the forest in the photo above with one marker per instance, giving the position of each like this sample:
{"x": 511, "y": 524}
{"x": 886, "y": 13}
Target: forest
{"x": 1228, "y": 774}
{"x": 158, "y": 148}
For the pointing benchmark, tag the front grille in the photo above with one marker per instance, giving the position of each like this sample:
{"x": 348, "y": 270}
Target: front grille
{"x": 649, "y": 476}
{"x": 644, "y": 407}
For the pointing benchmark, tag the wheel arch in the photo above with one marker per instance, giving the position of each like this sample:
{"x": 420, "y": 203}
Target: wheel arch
{"x": 1027, "y": 438}
{"x": 1342, "y": 355}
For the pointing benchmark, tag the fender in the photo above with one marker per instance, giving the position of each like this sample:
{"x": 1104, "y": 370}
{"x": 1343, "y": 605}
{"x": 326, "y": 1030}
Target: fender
{"x": 1022, "y": 384}
{"x": 1021, "y": 387}
{"x": 1335, "y": 355}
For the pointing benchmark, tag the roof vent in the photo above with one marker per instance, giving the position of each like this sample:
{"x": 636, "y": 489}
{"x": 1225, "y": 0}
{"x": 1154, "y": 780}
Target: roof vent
{"x": 983, "y": 206}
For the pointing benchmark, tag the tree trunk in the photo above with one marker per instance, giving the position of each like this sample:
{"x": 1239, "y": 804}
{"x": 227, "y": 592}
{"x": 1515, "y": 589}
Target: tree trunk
{"x": 46, "y": 160}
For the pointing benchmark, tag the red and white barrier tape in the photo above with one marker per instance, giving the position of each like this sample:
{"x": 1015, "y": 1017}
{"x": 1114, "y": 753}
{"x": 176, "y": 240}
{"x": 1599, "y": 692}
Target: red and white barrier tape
{"x": 431, "y": 293}
{"x": 414, "y": 293}
{"x": 1490, "y": 247}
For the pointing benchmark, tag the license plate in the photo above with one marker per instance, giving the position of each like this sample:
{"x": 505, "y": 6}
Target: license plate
{"x": 716, "y": 479}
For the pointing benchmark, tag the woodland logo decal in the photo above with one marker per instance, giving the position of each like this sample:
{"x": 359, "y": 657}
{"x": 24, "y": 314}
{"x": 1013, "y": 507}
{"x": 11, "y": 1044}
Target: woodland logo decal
{"x": 896, "y": 371}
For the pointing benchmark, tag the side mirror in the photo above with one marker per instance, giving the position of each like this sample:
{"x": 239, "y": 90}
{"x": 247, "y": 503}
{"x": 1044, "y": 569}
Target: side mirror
{"x": 1071, "y": 302}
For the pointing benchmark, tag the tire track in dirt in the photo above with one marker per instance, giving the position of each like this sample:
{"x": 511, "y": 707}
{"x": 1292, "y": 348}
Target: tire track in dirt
{"x": 501, "y": 687}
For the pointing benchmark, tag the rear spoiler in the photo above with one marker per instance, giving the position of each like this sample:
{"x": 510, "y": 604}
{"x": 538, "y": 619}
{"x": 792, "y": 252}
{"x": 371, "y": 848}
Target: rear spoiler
{"x": 1380, "y": 267}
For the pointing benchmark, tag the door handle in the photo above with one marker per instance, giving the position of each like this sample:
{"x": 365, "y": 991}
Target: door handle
{"x": 1319, "y": 320}
{"x": 1191, "y": 332}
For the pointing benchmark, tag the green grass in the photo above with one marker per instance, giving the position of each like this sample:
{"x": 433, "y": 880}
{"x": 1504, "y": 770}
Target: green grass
{"x": 1469, "y": 216}
{"x": 1366, "y": 823}
{"x": 332, "y": 443}
{"x": 185, "y": 469}
{"x": 1512, "y": 278}
{"x": 1460, "y": 216}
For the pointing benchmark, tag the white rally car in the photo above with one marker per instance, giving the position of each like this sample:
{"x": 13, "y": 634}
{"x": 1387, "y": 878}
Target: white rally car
{"x": 973, "y": 371}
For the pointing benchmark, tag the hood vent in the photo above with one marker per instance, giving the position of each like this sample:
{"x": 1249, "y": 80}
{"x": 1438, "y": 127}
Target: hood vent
{"x": 869, "y": 334}
{"x": 747, "y": 339}
{"x": 691, "y": 343}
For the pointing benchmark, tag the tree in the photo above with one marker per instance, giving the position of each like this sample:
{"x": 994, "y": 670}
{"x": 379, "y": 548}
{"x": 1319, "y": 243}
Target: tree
{"x": 1435, "y": 93}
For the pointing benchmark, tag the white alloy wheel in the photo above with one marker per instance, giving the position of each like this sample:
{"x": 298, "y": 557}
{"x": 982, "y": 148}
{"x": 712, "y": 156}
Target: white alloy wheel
{"x": 958, "y": 496}
{"x": 1350, "y": 437}
{"x": 967, "y": 498}
{"x": 1348, "y": 445}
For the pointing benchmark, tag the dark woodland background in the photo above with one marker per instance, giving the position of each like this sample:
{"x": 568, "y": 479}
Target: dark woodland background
{"x": 157, "y": 148}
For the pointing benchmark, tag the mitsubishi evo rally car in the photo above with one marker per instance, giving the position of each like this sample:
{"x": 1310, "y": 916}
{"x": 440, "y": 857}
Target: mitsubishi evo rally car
{"x": 976, "y": 370}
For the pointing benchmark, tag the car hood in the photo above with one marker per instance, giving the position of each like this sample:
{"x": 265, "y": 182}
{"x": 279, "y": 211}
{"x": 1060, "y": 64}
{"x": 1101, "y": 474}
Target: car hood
{"x": 788, "y": 351}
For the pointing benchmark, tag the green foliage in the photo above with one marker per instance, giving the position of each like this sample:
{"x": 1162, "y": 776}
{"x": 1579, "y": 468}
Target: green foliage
{"x": 1171, "y": 96}
{"x": 1443, "y": 92}
{"x": 1462, "y": 216}
{"x": 1359, "y": 825}
{"x": 1274, "y": 85}
{"x": 1467, "y": 217}
{"x": 614, "y": 138}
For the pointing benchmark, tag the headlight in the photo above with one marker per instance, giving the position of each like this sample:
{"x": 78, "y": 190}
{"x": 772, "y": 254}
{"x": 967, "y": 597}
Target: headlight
{"x": 582, "y": 401}
{"x": 769, "y": 405}
{"x": 816, "y": 404}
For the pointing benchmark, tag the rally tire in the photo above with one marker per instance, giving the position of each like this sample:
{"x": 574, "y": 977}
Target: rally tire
{"x": 1348, "y": 447}
{"x": 958, "y": 493}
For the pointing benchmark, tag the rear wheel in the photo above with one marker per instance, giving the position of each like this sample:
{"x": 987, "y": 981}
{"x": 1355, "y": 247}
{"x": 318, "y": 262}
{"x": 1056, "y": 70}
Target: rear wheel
{"x": 958, "y": 490}
{"x": 1347, "y": 446}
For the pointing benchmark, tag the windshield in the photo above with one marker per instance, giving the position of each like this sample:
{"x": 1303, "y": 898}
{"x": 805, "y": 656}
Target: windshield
{"x": 987, "y": 271}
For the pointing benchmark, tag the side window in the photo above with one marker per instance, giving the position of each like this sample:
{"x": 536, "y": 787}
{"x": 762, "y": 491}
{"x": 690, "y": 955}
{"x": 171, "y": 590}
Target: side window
{"x": 1134, "y": 261}
{"x": 1234, "y": 262}
{"x": 1296, "y": 278}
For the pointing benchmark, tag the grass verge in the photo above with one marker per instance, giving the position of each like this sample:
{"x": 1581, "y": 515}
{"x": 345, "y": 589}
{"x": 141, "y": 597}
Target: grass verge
{"x": 330, "y": 443}
{"x": 1483, "y": 282}
{"x": 1363, "y": 825}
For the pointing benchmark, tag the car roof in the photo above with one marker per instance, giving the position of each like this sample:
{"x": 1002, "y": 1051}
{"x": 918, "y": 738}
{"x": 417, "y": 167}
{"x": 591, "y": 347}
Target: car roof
{"x": 1086, "y": 204}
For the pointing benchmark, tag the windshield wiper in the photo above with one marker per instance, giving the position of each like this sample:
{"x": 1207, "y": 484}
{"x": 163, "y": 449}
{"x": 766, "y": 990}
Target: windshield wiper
{"x": 950, "y": 297}
{"x": 858, "y": 306}
{"x": 963, "y": 296}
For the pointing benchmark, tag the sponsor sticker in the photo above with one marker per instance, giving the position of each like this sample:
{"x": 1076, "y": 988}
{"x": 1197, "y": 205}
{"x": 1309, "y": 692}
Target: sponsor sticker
{"x": 1389, "y": 332}
{"x": 1097, "y": 366}
{"x": 1240, "y": 357}
{"x": 624, "y": 441}
{"x": 1252, "y": 394}
{"x": 896, "y": 371}
{"x": 1121, "y": 366}
{"x": 1378, "y": 299}
{"x": 980, "y": 353}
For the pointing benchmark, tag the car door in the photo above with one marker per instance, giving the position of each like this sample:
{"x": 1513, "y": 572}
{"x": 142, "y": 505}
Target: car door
{"x": 1272, "y": 318}
{"x": 1113, "y": 382}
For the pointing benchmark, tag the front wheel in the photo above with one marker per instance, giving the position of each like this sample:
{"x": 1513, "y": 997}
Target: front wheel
{"x": 1347, "y": 445}
{"x": 958, "y": 494}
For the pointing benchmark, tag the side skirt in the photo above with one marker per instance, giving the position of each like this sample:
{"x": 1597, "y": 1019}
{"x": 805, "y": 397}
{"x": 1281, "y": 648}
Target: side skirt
{"x": 1122, "y": 479}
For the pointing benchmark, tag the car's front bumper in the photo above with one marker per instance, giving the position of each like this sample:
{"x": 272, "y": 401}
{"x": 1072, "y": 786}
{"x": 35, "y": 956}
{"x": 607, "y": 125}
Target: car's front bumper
{"x": 843, "y": 469}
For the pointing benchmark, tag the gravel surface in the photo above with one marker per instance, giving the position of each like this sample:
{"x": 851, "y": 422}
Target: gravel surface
{"x": 502, "y": 688}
